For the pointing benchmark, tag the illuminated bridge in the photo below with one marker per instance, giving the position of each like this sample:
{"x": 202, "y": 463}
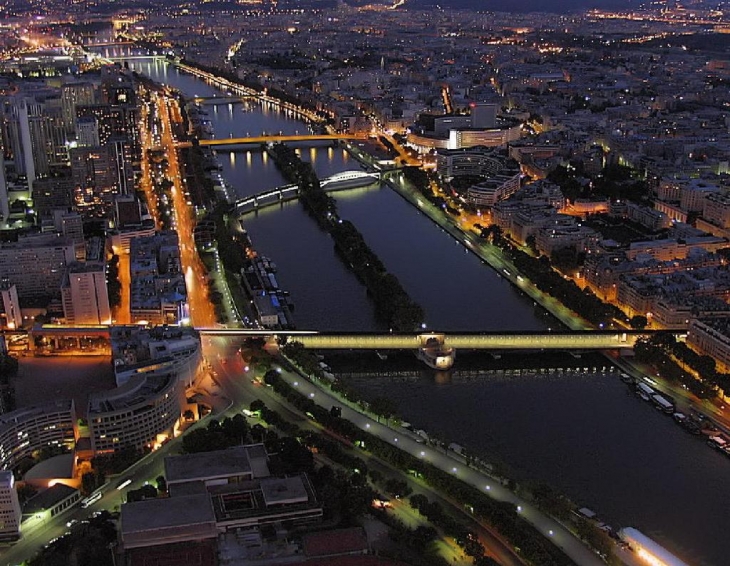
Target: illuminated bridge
{"x": 337, "y": 182}
{"x": 566, "y": 340}
{"x": 213, "y": 100}
{"x": 271, "y": 139}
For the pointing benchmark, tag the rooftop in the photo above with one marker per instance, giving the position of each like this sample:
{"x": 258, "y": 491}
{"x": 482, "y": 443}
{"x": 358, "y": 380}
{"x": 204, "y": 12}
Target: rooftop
{"x": 48, "y": 498}
{"x": 208, "y": 465}
{"x": 281, "y": 491}
{"x": 167, "y": 520}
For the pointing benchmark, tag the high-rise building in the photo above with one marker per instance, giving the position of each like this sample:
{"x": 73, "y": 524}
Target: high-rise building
{"x": 95, "y": 174}
{"x": 117, "y": 88}
{"x": 11, "y": 305}
{"x": 87, "y": 131}
{"x": 52, "y": 193}
{"x": 4, "y": 200}
{"x": 10, "y": 513}
{"x": 84, "y": 294}
{"x": 70, "y": 224}
{"x": 36, "y": 264}
{"x": 33, "y": 135}
{"x": 114, "y": 122}
{"x": 73, "y": 95}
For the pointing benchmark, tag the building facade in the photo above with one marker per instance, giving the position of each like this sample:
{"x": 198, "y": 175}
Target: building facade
{"x": 10, "y": 514}
{"x": 84, "y": 294}
{"x": 31, "y": 428}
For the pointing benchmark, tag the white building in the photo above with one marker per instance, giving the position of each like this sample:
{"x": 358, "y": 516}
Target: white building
{"x": 11, "y": 305}
{"x": 10, "y": 514}
{"x": 84, "y": 294}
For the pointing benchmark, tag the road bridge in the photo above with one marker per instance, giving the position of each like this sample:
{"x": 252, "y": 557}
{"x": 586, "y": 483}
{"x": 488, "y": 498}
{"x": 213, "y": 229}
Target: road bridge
{"x": 215, "y": 100}
{"x": 109, "y": 44}
{"x": 270, "y": 139}
{"x": 337, "y": 182}
{"x": 564, "y": 340}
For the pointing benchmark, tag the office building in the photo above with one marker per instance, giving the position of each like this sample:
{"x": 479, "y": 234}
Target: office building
{"x": 73, "y": 95}
{"x": 99, "y": 174}
{"x": 84, "y": 294}
{"x": 11, "y": 305}
{"x": 141, "y": 413}
{"x": 158, "y": 294}
{"x": 31, "y": 428}
{"x": 118, "y": 122}
{"x": 10, "y": 513}
{"x": 51, "y": 193}
{"x": 36, "y": 264}
{"x": 34, "y": 135}
{"x": 87, "y": 132}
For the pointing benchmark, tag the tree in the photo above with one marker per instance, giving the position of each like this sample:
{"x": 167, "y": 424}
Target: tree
{"x": 383, "y": 407}
{"x": 25, "y": 492}
{"x": 161, "y": 484}
{"x": 188, "y": 415}
{"x": 88, "y": 482}
{"x": 638, "y": 322}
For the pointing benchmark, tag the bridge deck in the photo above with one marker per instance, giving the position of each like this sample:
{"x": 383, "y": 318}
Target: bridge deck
{"x": 272, "y": 139}
{"x": 590, "y": 340}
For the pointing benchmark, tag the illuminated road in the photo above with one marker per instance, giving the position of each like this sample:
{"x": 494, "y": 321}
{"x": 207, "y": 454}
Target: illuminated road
{"x": 122, "y": 312}
{"x": 201, "y": 310}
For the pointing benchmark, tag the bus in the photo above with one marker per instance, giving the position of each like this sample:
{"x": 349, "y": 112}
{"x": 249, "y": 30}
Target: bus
{"x": 663, "y": 404}
{"x": 93, "y": 498}
{"x": 644, "y": 391}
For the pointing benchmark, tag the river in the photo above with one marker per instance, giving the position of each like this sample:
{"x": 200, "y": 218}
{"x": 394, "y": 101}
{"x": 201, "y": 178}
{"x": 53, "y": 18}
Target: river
{"x": 585, "y": 435}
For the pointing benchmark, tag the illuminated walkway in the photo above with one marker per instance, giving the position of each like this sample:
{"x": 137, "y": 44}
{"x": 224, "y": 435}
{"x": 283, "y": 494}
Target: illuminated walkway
{"x": 568, "y": 340}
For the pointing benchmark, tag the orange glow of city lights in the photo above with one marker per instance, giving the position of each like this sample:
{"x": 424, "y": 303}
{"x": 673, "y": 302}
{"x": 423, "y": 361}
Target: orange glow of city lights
{"x": 649, "y": 558}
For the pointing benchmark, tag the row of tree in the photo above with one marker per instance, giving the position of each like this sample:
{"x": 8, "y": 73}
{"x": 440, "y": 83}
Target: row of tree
{"x": 114, "y": 287}
{"x": 392, "y": 303}
{"x": 421, "y": 181}
{"x": 668, "y": 355}
{"x": 231, "y": 431}
{"x": 541, "y": 273}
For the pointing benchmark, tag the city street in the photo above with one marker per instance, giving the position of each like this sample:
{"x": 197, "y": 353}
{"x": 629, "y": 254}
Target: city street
{"x": 201, "y": 310}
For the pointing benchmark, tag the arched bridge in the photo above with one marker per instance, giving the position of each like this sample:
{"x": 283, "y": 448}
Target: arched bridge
{"x": 564, "y": 340}
{"x": 270, "y": 139}
{"x": 337, "y": 182}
